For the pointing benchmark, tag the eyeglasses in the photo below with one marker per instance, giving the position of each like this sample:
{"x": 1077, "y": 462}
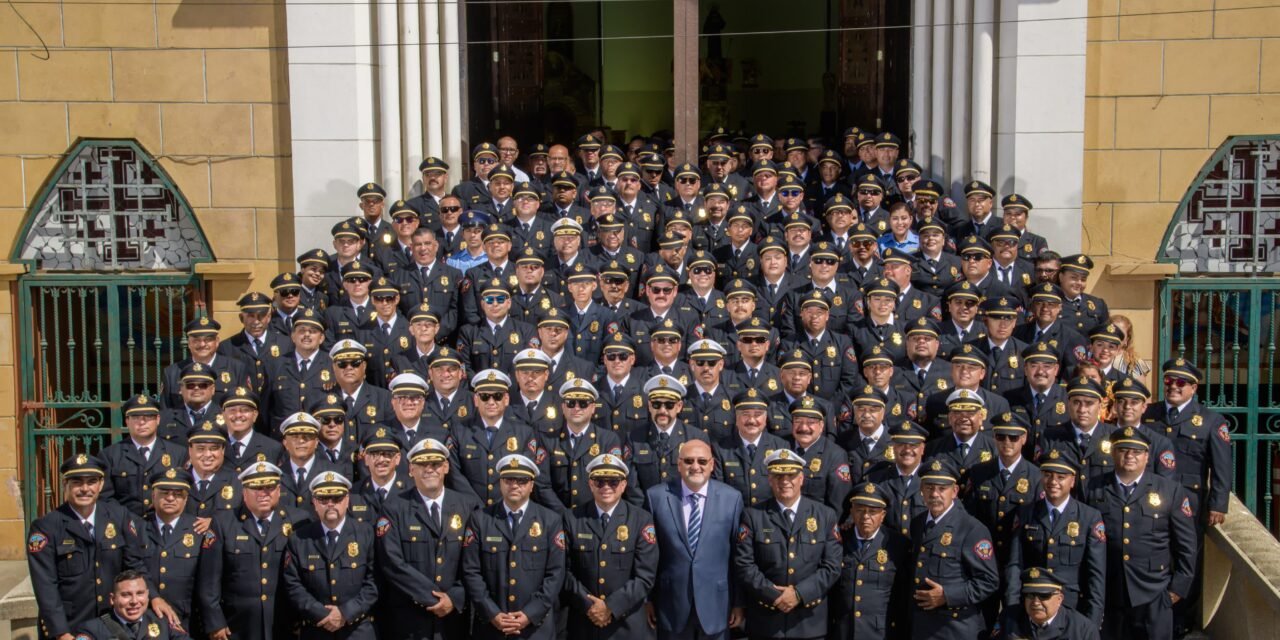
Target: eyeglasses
{"x": 405, "y": 219}
{"x": 904, "y": 178}
{"x": 705, "y": 363}
{"x": 486, "y": 160}
{"x": 863, "y": 244}
{"x": 687, "y": 180}
{"x": 700, "y": 271}
{"x": 519, "y": 482}
{"x": 202, "y": 385}
{"x": 662, "y": 291}
{"x": 616, "y": 357}
{"x": 823, "y": 261}
{"x": 663, "y": 405}
{"x": 290, "y": 293}
{"x": 925, "y": 200}
{"x": 868, "y": 192}
{"x": 330, "y": 499}
{"x": 348, "y": 364}
{"x": 332, "y": 420}
{"x": 1004, "y": 437}
{"x": 409, "y": 398}
{"x": 450, "y": 209}
{"x": 379, "y": 453}
{"x": 606, "y": 482}
{"x": 701, "y": 462}
{"x": 974, "y": 257}
{"x": 666, "y": 340}
{"x": 1176, "y": 382}
{"x": 965, "y": 302}
{"x": 790, "y": 193}
{"x": 490, "y": 397}
{"x": 578, "y": 404}
{"x": 753, "y": 340}
{"x": 494, "y": 299}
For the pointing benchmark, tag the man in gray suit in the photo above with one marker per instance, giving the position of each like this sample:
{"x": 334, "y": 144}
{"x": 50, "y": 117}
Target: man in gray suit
{"x": 696, "y": 519}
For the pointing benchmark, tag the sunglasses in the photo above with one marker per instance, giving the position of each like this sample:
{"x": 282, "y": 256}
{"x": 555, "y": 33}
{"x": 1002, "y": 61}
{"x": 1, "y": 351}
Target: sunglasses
{"x": 823, "y": 261}
{"x": 290, "y": 293}
{"x": 666, "y": 340}
{"x": 578, "y": 404}
{"x": 966, "y": 303}
{"x": 486, "y": 160}
{"x": 904, "y": 178}
{"x": 490, "y": 397}
{"x": 662, "y": 291}
{"x": 974, "y": 257}
{"x": 868, "y": 192}
{"x": 385, "y": 298}
{"x": 701, "y": 462}
{"x": 705, "y": 363}
{"x": 519, "y": 482}
{"x": 1041, "y": 596}
{"x": 405, "y": 219}
{"x": 688, "y": 180}
{"x": 700, "y": 271}
{"x": 615, "y": 281}
{"x": 862, "y": 243}
{"x": 329, "y": 499}
{"x": 332, "y": 420}
{"x": 606, "y": 482}
{"x": 494, "y": 299}
{"x": 450, "y": 209}
{"x": 790, "y": 193}
{"x": 348, "y": 364}
{"x": 753, "y": 340}
{"x": 616, "y": 357}
{"x": 357, "y": 279}
{"x": 1004, "y": 437}
{"x": 664, "y": 405}
{"x": 203, "y": 385}
{"x": 1176, "y": 382}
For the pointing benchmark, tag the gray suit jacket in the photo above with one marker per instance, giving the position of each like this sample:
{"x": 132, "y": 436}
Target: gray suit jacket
{"x": 678, "y": 595}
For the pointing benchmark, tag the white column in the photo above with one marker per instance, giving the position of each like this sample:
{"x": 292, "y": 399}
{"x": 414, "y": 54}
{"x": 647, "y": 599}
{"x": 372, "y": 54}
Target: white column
{"x": 940, "y": 105}
{"x": 388, "y": 56}
{"x": 410, "y": 91}
{"x": 452, "y": 95}
{"x": 332, "y": 117}
{"x": 432, "y": 89}
{"x": 982, "y": 86}
{"x": 921, "y": 52}
{"x": 1040, "y": 53}
{"x": 958, "y": 168}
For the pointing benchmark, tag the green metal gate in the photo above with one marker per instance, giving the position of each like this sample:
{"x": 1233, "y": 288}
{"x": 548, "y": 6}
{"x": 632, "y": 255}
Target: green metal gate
{"x": 87, "y": 343}
{"x": 1229, "y": 328}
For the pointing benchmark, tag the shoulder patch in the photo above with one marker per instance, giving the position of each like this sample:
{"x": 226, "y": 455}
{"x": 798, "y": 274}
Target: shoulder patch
{"x": 209, "y": 539}
{"x": 1186, "y": 508}
{"x": 560, "y": 540}
{"x": 1224, "y": 433}
{"x": 470, "y": 538}
{"x": 744, "y": 532}
{"x": 1168, "y": 460}
{"x": 983, "y": 550}
{"x": 382, "y": 526}
{"x": 37, "y": 542}
{"x": 649, "y": 534}
{"x": 1100, "y": 531}
{"x": 842, "y": 472}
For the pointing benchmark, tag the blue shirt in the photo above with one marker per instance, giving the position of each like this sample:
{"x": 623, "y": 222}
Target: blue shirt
{"x": 463, "y": 260}
{"x": 910, "y": 245}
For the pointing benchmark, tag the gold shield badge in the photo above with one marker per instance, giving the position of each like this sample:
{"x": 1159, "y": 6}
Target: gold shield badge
{"x": 637, "y": 402}
{"x": 773, "y": 384}
{"x": 455, "y": 522}
{"x": 984, "y": 456}
{"x": 815, "y": 465}
{"x": 831, "y": 351}
{"x": 275, "y": 351}
{"x": 110, "y": 531}
{"x": 188, "y": 540}
{"x": 324, "y": 375}
{"x": 153, "y": 630}
{"x": 882, "y": 557}
{"x": 226, "y": 377}
{"x": 623, "y": 533}
{"x": 166, "y": 461}
{"x": 1153, "y": 499}
{"x": 227, "y": 492}
{"x": 1196, "y": 421}
{"x": 1106, "y": 446}
{"x": 946, "y": 539}
{"x": 511, "y": 444}
{"x": 535, "y": 529}
{"x": 811, "y": 524}
{"x": 515, "y": 339}
{"x": 353, "y": 549}
{"x": 371, "y": 411}
{"x": 1022, "y": 486}
{"x": 1073, "y": 529}
{"x": 286, "y": 529}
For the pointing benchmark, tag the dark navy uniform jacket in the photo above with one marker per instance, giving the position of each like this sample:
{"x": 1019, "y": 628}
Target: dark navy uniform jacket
{"x": 239, "y": 574}
{"x": 510, "y": 571}
{"x": 72, "y": 573}
{"x": 1156, "y": 551}
{"x": 868, "y": 601}
{"x": 128, "y": 472}
{"x": 318, "y": 574}
{"x": 617, "y": 563}
{"x": 172, "y": 563}
{"x": 957, "y": 553}
{"x": 1073, "y": 546}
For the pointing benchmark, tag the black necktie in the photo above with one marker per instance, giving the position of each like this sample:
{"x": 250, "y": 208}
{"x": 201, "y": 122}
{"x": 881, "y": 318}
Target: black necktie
{"x": 664, "y": 440}
{"x": 666, "y": 369}
{"x": 514, "y": 520}
{"x": 921, "y": 374}
{"x": 751, "y": 376}
{"x": 1173, "y": 414}
{"x": 302, "y": 478}
{"x": 933, "y": 264}
{"x": 964, "y": 450}
{"x": 435, "y": 514}
{"x": 382, "y": 494}
{"x": 237, "y": 449}
{"x": 1128, "y": 490}
{"x": 1085, "y": 441}
{"x": 333, "y": 455}
{"x": 302, "y": 366}
{"x": 1039, "y": 401}
{"x": 426, "y": 274}
{"x": 332, "y": 536}
{"x": 604, "y": 522}
{"x": 791, "y": 515}
{"x": 995, "y": 355}
{"x": 1053, "y": 516}
{"x": 165, "y": 532}
{"x": 133, "y": 628}
{"x": 525, "y": 226}
{"x": 1005, "y": 474}
{"x": 444, "y": 405}
{"x": 869, "y": 443}
{"x": 350, "y": 401}
{"x": 257, "y": 346}
{"x": 203, "y": 485}
{"x": 928, "y": 526}
{"x": 145, "y": 451}
{"x": 196, "y": 417}
{"x": 751, "y": 453}
{"x": 411, "y": 435}
{"x": 799, "y": 450}
{"x": 773, "y": 290}
{"x": 448, "y": 240}
{"x": 359, "y": 312}
{"x": 262, "y": 526}
{"x": 489, "y": 432}
{"x": 386, "y": 329}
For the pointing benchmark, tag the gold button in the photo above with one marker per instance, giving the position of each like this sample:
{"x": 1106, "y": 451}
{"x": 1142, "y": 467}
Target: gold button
{"x": 1049, "y": 556}
{"x": 162, "y": 570}
{"x": 512, "y": 581}
{"x": 264, "y": 581}
{"x": 603, "y": 563}
{"x": 858, "y": 582}
{"x": 264, "y": 565}
{"x": 264, "y": 597}
{"x": 513, "y": 565}
{"x": 1126, "y": 557}
{"x": 511, "y": 598}
{"x": 164, "y": 554}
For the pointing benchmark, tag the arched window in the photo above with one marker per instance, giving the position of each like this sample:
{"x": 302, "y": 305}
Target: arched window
{"x": 110, "y": 207}
{"x": 1229, "y": 221}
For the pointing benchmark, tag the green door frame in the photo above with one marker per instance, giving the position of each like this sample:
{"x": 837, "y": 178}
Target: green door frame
{"x": 1237, "y": 350}
{"x": 78, "y": 330}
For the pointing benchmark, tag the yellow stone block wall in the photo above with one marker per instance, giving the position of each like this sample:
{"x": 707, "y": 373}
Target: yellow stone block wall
{"x": 1166, "y": 83}
{"x": 203, "y": 87}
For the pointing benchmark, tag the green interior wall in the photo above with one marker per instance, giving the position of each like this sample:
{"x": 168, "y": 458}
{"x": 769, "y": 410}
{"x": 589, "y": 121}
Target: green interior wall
{"x": 638, "y": 93}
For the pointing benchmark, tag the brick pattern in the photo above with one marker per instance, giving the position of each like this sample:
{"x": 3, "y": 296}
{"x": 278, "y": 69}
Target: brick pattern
{"x": 215, "y": 117}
